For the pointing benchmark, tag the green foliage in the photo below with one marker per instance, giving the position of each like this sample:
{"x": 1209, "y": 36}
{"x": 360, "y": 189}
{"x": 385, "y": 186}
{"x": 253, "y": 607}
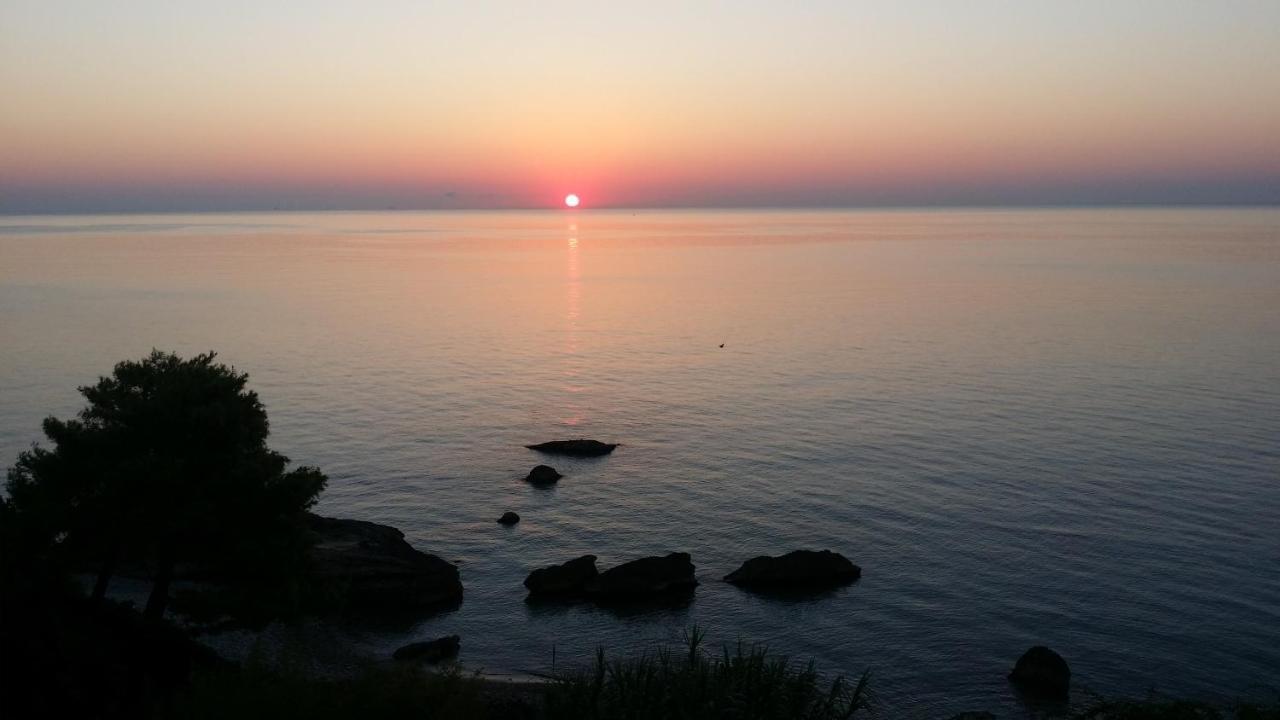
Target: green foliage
{"x": 166, "y": 463}
{"x": 747, "y": 683}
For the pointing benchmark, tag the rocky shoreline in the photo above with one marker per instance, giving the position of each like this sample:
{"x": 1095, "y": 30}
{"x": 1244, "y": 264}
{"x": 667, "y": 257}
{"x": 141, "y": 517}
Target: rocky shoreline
{"x": 370, "y": 567}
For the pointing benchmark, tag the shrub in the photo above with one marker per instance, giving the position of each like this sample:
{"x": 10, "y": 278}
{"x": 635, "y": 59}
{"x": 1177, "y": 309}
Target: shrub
{"x": 746, "y": 683}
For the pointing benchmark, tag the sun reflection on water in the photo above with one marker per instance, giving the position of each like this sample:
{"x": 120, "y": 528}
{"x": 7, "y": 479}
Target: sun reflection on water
{"x": 573, "y": 301}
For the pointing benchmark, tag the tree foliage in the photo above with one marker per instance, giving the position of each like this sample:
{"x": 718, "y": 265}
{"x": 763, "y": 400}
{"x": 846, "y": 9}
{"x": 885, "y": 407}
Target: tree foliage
{"x": 167, "y": 462}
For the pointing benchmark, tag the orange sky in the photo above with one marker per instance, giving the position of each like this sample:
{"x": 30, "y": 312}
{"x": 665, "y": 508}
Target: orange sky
{"x": 154, "y": 106}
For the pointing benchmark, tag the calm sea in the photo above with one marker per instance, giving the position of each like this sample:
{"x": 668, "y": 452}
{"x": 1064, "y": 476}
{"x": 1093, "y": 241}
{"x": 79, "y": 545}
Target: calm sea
{"x": 1057, "y": 427}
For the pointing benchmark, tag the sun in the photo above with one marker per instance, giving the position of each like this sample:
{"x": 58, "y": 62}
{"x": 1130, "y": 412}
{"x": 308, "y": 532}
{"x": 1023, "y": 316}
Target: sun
{"x": 571, "y": 200}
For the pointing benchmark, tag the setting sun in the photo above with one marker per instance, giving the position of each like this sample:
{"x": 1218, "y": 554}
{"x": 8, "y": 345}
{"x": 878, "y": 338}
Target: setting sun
{"x": 571, "y": 200}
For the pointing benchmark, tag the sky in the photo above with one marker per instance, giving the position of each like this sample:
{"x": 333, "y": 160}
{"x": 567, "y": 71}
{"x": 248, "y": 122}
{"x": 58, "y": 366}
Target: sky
{"x": 171, "y": 105}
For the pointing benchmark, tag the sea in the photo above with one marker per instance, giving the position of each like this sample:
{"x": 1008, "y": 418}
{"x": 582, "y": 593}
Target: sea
{"x": 1027, "y": 426}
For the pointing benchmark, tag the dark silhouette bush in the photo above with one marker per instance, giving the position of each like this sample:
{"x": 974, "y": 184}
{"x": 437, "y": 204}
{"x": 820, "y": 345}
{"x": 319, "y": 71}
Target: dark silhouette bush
{"x": 166, "y": 464}
{"x": 745, "y": 683}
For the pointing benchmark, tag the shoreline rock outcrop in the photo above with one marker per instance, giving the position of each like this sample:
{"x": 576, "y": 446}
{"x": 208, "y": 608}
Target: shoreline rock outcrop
{"x": 371, "y": 566}
{"x": 430, "y": 651}
{"x": 567, "y": 579}
{"x": 1043, "y": 673}
{"x": 643, "y": 579}
{"x": 575, "y": 448}
{"x": 796, "y": 570}
{"x": 543, "y": 475}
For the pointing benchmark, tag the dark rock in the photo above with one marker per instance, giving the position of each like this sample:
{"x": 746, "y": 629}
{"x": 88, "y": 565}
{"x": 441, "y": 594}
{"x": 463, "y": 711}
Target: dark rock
{"x": 509, "y": 518}
{"x": 569, "y": 578}
{"x": 1041, "y": 671}
{"x": 575, "y": 448}
{"x": 798, "y": 569}
{"x": 371, "y": 566}
{"x": 543, "y": 475}
{"x": 644, "y": 578}
{"x": 431, "y": 651}
{"x": 974, "y": 715}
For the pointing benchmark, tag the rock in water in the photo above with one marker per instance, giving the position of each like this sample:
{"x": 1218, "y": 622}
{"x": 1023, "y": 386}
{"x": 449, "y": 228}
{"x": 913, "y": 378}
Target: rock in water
{"x": 644, "y": 578}
{"x": 543, "y": 475}
{"x": 431, "y": 651}
{"x": 575, "y": 448}
{"x": 509, "y": 518}
{"x": 566, "y": 579}
{"x": 796, "y": 570}
{"x": 1041, "y": 671}
{"x": 370, "y": 566}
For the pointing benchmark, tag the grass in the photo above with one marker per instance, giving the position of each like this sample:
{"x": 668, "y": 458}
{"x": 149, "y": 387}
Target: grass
{"x": 669, "y": 683}
{"x": 63, "y": 657}
{"x": 747, "y": 683}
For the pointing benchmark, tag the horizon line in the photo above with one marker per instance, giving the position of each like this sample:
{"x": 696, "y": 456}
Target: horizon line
{"x": 666, "y": 208}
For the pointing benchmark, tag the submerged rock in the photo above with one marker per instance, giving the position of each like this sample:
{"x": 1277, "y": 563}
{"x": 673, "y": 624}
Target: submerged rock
{"x": 565, "y": 579}
{"x": 431, "y": 651}
{"x": 644, "y": 578}
{"x": 509, "y": 518}
{"x": 370, "y": 566}
{"x": 799, "y": 569}
{"x": 575, "y": 448}
{"x": 1042, "y": 672}
{"x": 543, "y": 475}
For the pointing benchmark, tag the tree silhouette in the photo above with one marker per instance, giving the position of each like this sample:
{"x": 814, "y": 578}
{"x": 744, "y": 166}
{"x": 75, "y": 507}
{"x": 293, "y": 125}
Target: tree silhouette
{"x": 168, "y": 462}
